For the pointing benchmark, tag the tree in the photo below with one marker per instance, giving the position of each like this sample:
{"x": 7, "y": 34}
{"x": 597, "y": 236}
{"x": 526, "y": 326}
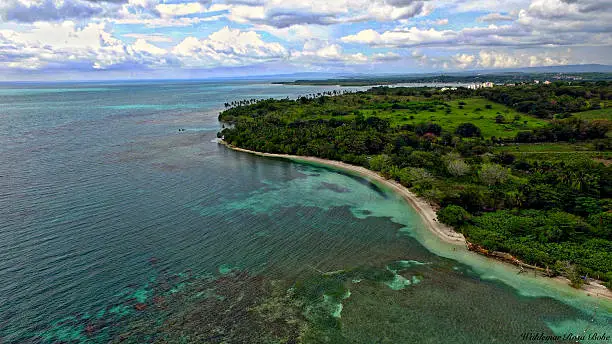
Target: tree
{"x": 453, "y": 215}
{"x": 457, "y": 167}
{"x": 468, "y": 130}
{"x": 492, "y": 174}
{"x": 380, "y": 162}
{"x": 500, "y": 119}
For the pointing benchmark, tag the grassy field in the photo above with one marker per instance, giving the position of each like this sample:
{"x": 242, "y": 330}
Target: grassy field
{"x": 451, "y": 114}
{"x": 595, "y": 114}
{"x": 556, "y": 151}
{"x": 411, "y": 110}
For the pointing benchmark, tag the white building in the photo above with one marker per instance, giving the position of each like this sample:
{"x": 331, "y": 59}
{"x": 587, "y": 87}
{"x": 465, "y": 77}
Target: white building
{"x": 480, "y": 85}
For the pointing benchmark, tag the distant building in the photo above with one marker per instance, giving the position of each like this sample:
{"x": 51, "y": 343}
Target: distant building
{"x": 547, "y": 82}
{"x": 510, "y": 85}
{"x": 536, "y": 81}
{"x": 480, "y": 85}
{"x": 448, "y": 89}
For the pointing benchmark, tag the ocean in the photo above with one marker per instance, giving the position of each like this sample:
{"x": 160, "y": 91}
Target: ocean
{"x": 118, "y": 225}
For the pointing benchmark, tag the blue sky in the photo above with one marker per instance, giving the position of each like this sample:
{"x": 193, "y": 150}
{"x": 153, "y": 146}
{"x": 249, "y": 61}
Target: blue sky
{"x": 125, "y": 39}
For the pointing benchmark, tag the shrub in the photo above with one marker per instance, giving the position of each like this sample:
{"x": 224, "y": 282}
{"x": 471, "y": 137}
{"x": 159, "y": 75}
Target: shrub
{"x": 468, "y": 130}
{"x": 453, "y": 215}
{"x": 380, "y": 162}
{"x": 457, "y": 167}
{"x": 492, "y": 174}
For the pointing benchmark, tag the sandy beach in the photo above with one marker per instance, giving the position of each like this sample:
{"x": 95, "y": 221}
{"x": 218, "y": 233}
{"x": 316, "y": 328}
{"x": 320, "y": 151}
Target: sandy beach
{"x": 423, "y": 208}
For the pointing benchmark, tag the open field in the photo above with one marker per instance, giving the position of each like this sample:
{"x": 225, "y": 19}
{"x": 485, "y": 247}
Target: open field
{"x": 555, "y": 151}
{"x": 493, "y": 119}
{"x": 605, "y": 113}
{"x": 450, "y": 114}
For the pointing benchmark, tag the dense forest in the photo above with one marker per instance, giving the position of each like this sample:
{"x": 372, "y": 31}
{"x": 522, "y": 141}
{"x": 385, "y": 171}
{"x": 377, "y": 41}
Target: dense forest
{"x": 524, "y": 170}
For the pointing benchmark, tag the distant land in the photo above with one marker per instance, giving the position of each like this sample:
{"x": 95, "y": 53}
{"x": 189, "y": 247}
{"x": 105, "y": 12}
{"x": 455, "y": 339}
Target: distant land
{"x": 590, "y": 72}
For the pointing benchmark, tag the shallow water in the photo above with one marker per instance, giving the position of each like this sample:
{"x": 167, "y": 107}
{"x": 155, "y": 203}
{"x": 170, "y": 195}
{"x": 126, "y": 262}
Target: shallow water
{"x": 115, "y": 225}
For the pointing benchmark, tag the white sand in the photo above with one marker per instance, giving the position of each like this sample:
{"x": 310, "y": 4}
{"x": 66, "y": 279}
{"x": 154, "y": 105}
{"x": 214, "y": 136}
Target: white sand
{"x": 423, "y": 208}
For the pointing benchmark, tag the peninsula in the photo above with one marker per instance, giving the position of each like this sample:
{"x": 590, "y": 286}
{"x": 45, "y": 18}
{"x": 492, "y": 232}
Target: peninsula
{"x": 524, "y": 183}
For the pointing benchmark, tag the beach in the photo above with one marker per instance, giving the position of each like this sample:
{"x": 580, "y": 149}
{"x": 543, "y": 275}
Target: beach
{"x": 425, "y": 210}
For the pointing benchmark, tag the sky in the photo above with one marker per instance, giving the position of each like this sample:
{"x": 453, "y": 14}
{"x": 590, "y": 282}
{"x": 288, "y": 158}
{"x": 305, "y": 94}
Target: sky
{"x": 139, "y": 39}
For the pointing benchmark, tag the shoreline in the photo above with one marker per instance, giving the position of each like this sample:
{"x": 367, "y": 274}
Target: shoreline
{"x": 428, "y": 215}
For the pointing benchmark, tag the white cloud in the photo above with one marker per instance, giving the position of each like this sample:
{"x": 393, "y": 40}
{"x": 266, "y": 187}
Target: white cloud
{"x": 176, "y": 10}
{"x": 227, "y": 47}
{"x": 320, "y": 52}
{"x": 486, "y": 5}
{"x": 34, "y": 34}
{"x": 495, "y": 17}
{"x": 285, "y": 13}
{"x": 493, "y": 59}
{"x": 585, "y": 16}
{"x": 143, "y": 46}
{"x": 297, "y": 32}
{"x": 497, "y": 59}
{"x": 150, "y": 37}
{"x": 51, "y": 10}
{"x": 405, "y": 37}
{"x": 66, "y": 44}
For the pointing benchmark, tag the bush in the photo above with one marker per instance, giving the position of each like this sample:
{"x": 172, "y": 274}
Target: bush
{"x": 380, "y": 162}
{"x": 492, "y": 174}
{"x": 453, "y": 215}
{"x": 467, "y": 130}
{"x": 457, "y": 167}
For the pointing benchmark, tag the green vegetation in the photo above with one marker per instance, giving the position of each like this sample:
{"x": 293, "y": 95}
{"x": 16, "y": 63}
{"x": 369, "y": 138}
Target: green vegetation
{"x": 604, "y": 114}
{"x": 538, "y": 188}
{"x": 496, "y": 78}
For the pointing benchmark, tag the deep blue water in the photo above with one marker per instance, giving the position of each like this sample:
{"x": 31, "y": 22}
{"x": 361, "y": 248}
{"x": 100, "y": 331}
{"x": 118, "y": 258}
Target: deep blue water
{"x": 101, "y": 197}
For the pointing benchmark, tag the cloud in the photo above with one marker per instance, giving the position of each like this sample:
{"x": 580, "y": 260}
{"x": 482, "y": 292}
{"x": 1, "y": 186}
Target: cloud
{"x": 49, "y": 10}
{"x": 89, "y": 47}
{"x": 227, "y": 47}
{"x": 585, "y": 16}
{"x": 297, "y": 32}
{"x": 527, "y": 31}
{"x": 462, "y": 6}
{"x": 78, "y": 34}
{"x": 493, "y": 59}
{"x": 285, "y": 13}
{"x": 402, "y": 38}
{"x": 176, "y": 10}
{"x": 495, "y": 17}
{"x": 150, "y": 37}
{"x": 489, "y": 59}
{"x": 315, "y": 52}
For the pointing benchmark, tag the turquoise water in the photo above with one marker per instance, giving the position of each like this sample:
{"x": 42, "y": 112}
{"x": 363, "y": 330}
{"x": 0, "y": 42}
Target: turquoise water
{"x": 115, "y": 227}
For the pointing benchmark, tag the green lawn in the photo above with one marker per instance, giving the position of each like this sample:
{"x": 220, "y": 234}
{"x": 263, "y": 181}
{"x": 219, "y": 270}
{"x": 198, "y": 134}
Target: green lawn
{"x": 595, "y": 114}
{"x": 555, "y": 151}
{"x": 451, "y": 115}
{"x": 400, "y": 110}
{"x": 562, "y": 147}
